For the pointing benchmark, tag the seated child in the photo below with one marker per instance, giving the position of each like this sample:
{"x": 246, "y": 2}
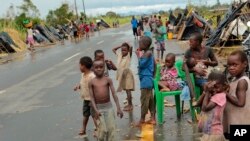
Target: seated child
{"x": 213, "y": 105}
{"x": 168, "y": 80}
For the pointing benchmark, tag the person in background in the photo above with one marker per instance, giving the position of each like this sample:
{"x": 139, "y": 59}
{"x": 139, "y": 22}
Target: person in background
{"x": 159, "y": 18}
{"x": 140, "y": 27}
{"x": 160, "y": 31}
{"x": 30, "y": 39}
{"x": 134, "y": 24}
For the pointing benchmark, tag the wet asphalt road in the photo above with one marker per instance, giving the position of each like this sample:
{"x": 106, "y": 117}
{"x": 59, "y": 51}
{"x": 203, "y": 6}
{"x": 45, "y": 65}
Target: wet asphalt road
{"x": 37, "y": 101}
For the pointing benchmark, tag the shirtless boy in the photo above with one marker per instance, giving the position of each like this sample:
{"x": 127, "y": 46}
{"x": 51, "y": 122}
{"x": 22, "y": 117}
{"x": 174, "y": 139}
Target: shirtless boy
{"x": 100, "y": 88}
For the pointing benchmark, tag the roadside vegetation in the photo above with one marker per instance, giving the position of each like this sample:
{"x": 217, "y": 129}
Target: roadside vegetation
{"x": 65, "y": 13}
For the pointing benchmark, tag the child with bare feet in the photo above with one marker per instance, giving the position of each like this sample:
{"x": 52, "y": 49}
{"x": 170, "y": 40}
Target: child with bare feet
{"x": 87, "y": 75}
{"x": 213, "y": 105}
{"x": 168, "y": 81}
{"x": 146, "y": 75}
{"x": 100, "y": 98}
{"x": 108, "y": 64}
{"x": 124, "y": 74}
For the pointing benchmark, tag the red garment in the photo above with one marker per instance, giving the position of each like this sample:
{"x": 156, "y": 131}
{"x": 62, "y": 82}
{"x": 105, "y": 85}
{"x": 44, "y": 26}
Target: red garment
{"x": 86, "y": 27}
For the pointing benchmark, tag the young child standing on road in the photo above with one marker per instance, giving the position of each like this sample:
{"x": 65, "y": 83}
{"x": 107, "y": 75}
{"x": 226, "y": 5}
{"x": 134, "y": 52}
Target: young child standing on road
{"x": 109, "y": 65}
{"x": 238, "y": 105}
{"x": 30, "y": 39}
{"x": 87, "y": 75}
{"x": 87, "y": 29}
{"x": 213, "y": 105}
{"x": 168, "y": 81}
{"x": 160, "y": 31}
{"x": 146, "y": 75}
{"x": 124, "y": 75}
{"x": 100, "y": 88}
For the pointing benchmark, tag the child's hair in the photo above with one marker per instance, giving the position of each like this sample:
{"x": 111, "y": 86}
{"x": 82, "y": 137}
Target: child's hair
{"x": 190, "y": 62}
{"x": 86, "y": 61}
{"x": 147, "y": 41}
{"x": 242, "y": 55}
{"x": 98, "y": 51}
{"x": 197, "y": 36}
{"x": 126, "y": 45}
{"x": 170, "y": 55}
{"x": 217, "y": 76}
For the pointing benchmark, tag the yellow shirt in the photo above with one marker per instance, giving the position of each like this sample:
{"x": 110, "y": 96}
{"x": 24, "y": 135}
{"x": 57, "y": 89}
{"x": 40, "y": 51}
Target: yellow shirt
{"x": 84, "y": 83}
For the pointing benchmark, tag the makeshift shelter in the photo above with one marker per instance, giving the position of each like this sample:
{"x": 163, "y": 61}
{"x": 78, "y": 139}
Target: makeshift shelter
{"x": 194, "y": 24}
{"x": 7, "y": 45}
{"x": 232, "y": 28}
{"x": 102, "y": 23}
{"x": 45, "y": 33}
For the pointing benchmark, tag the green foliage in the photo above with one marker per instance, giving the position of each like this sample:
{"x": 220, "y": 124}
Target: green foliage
{"x": 111, "y": 14}
{"x": 29, "y": 9}
{"x": 61, "y": 15}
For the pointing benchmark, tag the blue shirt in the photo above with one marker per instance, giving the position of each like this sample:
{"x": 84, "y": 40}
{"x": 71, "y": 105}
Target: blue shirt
{"x": 134, "y": 23}
{"x": 146, "y": 72}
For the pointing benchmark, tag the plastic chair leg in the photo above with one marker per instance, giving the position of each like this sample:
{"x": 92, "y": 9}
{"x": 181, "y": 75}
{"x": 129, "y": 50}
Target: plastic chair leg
{"x": 178, "y": 105}
{"x": 159, "y": 104}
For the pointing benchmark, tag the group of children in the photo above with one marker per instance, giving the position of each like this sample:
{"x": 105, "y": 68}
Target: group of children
{"x": 95, "y": 87}
{"x": 220, "y": 101}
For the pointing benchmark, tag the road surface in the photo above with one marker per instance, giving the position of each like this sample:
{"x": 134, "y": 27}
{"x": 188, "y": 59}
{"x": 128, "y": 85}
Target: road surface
{"x": 37, "y": 101}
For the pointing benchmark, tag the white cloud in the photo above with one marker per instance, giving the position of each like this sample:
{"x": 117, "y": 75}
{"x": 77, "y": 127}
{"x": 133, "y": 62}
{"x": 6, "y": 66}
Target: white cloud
{"x": 128, "y": 9}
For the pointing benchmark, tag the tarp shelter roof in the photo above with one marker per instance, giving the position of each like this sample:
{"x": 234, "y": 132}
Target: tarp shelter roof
{"x": 230, "y": 16}
{"x": 194, "y": 24}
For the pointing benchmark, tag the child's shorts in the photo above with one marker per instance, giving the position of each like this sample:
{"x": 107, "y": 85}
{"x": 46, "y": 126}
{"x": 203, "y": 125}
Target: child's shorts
{"x": 87, "y": 109}
{"x": 160, "y": 45}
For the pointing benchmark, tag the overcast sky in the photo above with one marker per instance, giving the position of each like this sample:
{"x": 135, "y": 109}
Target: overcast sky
{"x": 94, "y": 7}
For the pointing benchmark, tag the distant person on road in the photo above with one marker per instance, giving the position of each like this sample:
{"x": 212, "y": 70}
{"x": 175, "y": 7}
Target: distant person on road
{"x": 140, "y": 27}
{"x": 147, "y": 32}
{"x": 160, "y": 32}
{"x": 147, "y": 29}
{"x": 30, "y": 39}
{"x": 159, "y": 18}
{"x": 87, "y": 29}
{"x": 201, "y": 54}
{"x": 100, "y": 88}
{"x": 153, "y": 23}
{"x": 109, "y": 65}
{"x": 146, "y": 75}
{"x": 134, "y": 24}
{"x": 86, "y": 76}
{"x": 124, "y": 74}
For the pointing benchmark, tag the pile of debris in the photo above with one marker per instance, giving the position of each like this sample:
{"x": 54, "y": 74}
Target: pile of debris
{"x": 232, "y": 30}
{"x": 188, "y": 23}
{"x": 11, "y": 42}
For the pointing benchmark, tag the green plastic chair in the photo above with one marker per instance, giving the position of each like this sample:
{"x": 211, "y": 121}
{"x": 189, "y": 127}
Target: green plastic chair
{"x": 160, "y": 95}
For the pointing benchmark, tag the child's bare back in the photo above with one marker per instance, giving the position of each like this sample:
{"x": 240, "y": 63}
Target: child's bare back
{"x": 100, "y": 87}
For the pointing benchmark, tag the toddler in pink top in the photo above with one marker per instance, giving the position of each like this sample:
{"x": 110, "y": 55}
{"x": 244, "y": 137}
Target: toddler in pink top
{"x": 168, "y": 80}
{"x": 213, "y": 105}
